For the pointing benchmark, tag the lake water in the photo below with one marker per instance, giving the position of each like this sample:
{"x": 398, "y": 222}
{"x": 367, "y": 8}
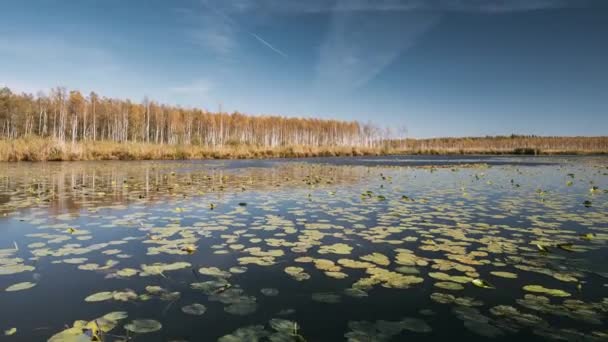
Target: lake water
{"x": 357, "y": 249}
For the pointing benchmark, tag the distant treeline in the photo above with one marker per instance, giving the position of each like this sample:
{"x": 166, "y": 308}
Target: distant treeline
{"x": 513, "y": 144}
{"x": 66, "y": 125}
{"x": 71, "y": 116}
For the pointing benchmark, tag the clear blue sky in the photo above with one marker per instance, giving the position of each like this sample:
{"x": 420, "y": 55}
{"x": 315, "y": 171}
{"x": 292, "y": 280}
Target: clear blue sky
{"x": 439, "y": 67}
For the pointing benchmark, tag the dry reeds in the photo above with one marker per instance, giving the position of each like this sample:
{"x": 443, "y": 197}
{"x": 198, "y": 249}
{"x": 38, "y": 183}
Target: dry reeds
{"x": 47, "y": 149}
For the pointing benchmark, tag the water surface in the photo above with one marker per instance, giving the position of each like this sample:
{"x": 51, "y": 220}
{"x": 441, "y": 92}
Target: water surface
{"x": 358, "y": 249}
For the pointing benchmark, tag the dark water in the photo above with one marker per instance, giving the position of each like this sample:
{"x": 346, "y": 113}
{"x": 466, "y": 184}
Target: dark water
{"x": 367, "y": 263}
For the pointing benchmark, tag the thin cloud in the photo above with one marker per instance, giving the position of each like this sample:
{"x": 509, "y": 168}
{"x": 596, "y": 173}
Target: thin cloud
{"x": 218, "y": 31}
{"x": 359, "y": 46}
{"x": 49, "y": 47}
{"x": 212, "y": 31}
{"x": 197, "y": 87}
{"x": 319, "y": 6}
{"x": 216, "y": 39}
{"x": 268, "y": 45}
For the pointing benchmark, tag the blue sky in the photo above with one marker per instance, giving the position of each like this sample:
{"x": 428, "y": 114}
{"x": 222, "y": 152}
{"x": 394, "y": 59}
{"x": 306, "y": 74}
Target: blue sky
{"x": 437, "y": 67}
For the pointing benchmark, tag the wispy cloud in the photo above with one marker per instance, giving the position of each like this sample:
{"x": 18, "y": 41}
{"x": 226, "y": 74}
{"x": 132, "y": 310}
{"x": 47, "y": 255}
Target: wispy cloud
{"x": 51, "y": 48}
{"x": 268, "y": 45}
{"x": 313, "y": 6}
{"x": 41, "y": 61}
{"x": 217, "y": 39}
{"x": 200, "y": 87}
{"x": 212, "y": 31}
{"x": 219, "y": 32}
{"x": 359, "y": 46}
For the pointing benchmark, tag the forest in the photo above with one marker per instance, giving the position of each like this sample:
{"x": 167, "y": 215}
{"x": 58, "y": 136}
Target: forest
{"x": 67, "y": 125}
{"x": 71, "y": 116}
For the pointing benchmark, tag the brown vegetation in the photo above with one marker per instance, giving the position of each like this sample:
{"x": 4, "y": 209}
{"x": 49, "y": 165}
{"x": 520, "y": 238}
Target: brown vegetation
{"x": 48, "y": 149}
{"x": 513, "y": 144}
{"x": 70, "y": 117}
{"x": 69, "y": 126}
{"x": 43, "y": 149}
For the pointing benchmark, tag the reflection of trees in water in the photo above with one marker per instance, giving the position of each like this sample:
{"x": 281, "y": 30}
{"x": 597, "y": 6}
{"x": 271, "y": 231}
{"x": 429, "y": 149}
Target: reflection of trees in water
{"x": 71, "y": 187}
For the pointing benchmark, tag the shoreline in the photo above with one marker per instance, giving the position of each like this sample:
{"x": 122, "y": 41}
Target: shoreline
{"x": 44, "y": 149}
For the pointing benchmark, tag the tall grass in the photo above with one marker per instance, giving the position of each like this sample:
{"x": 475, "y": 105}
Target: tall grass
{"x": 514, "y": 144}
{"x": 46, "y": 149}
{"x": 42, "y": 149}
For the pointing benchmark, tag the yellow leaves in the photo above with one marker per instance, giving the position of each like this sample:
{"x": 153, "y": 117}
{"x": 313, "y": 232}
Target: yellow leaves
{"x": 159, "y": 268}
{"x": 257, "y": 251}
{"x": 407, "y": 258}
{"x": 550, "y": 292}
{"x": 89, "y": 331}
{"x": 355, "y": 263}
{"x": 336, "y": 275}
{"x": 377, "y": 258}
{"x": 501, "y": 274}
{"x": 10, "y": 332}
{"x": 337, "y": 248}
{"x": 260, "y": 261}
{"x": 304, "y": 259}
{"x": 214, "y": 272}
{"x": 326, "y": 265}
{"x": 446, "y": 265}
{"x": 564, "y": 277}
{"x": 143, "y": 326}
{"x": 122, "y": 296}
{"x": 482, "y": 283}
{"x": 190, "y": 249}
{"x": 448, "y": 285}
{"x": 297, "y": 273}
{"x": 542, "y": 248}
{"x": 448, "y": 277}
{"x": 127, "y": 272}
{"x": 20, "y": 286}
{"x": 92, "y": 328}
{"x": 362, "y": 246}
{"x": 387, "y": 279}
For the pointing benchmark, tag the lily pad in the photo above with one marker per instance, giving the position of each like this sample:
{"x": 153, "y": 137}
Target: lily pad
{"x": 550, "y": 292}
{"x": 195, "y": 309}
{"x": 100, "y": 296}
{"x": 20, "y": 286}
{"x": 143, "y": 326}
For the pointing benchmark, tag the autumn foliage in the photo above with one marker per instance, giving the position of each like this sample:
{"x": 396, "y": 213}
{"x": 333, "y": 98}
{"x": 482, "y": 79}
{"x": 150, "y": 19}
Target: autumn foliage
{"x": 66, "y": 125}
{"x": 70, "y": 116}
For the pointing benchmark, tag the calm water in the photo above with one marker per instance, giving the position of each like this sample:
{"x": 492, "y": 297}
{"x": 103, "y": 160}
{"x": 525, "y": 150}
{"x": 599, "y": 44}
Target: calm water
{"x": 363, "y": 249}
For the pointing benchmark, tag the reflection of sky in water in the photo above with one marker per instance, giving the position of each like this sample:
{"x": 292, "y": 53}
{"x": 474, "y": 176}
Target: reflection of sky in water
{"x": 484, "y": 219}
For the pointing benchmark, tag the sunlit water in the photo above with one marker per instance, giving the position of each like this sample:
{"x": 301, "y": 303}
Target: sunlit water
{"x": 364, "y": 249}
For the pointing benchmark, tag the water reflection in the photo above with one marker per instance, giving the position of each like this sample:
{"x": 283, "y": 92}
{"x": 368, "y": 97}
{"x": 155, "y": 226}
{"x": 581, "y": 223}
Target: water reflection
{"x": 316, "y": 250}
{"x": 75, "y": 186}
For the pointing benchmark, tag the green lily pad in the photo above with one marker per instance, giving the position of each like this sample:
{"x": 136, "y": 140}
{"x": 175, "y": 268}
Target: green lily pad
{"x": 143, "y": 326}
{"x": 194, "y": 309}
{"x": 20, "y": 286}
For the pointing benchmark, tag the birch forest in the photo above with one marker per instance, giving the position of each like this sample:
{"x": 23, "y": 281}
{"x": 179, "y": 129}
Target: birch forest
{"x": 65, "y": 118}
{"x": 70, "y": 116}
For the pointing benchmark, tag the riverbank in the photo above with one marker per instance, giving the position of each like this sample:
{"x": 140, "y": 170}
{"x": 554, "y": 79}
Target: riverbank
{"x": 45, "y": 149}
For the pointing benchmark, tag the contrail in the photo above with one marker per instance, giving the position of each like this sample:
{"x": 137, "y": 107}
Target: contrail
{"x": 268, "y": 44}
{"x": 235, "y": 24}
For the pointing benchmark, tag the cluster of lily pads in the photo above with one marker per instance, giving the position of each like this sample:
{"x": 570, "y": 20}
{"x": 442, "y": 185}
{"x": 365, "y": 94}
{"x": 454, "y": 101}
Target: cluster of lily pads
{"x": 466, "y": 237}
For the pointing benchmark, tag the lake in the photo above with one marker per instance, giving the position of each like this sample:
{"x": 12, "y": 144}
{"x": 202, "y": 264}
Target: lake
{"x": 393, "y": 248}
